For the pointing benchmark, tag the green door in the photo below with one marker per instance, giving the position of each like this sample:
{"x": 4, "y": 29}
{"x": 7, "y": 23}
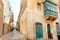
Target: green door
{"x": 49, "y": 32}
{"x": 39, "y": 33}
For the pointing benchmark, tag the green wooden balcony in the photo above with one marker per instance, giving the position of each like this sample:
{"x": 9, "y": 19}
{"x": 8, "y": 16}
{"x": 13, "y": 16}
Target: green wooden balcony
{"x": 50, "y": 13}
{"x": 50, "y": 10}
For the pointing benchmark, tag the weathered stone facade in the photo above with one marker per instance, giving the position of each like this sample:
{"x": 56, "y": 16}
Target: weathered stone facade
{"x": 30, "y": 14}
{"x": 7, "y": 14}
{"x": 1, "y": 16}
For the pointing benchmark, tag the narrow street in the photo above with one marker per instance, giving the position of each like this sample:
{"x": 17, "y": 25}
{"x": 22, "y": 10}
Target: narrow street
{"x": 13, "y": 35}
{"x": 29, "y": 19}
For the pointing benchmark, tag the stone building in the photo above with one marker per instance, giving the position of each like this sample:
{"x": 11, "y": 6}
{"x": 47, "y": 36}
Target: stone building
{"x": 39, "y": 19}
{"x": 1, "y": 16}
{"x": 18, "y": 23}
{"x": 7, "y": 14}
{"x": 11, "y": 21}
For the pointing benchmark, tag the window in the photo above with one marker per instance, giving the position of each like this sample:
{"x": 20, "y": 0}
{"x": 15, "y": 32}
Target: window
{"x": 38, "y": 6}
{"x": 48, "y": 6}
{"x": 55, "y": 9}
{"x": 51, "y": 7}
{"x": 57, "y": 25}
{"x": 58, "y": 28}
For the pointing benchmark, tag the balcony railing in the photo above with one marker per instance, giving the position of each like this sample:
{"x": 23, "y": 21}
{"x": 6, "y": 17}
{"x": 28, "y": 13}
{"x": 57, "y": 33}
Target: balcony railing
{"x": 50, "y": 13}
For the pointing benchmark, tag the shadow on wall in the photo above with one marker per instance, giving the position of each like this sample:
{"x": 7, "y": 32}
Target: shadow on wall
{"x": 58, "y": 37}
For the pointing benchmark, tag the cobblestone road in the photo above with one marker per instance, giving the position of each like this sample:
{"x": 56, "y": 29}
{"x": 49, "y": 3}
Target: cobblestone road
{"x": 14, "y": 35}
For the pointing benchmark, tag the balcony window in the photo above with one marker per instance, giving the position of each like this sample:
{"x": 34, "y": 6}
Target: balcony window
{"x": 55, "y": 9}
{"x": 38, "y": 6}
{"x": 47, "y": 6}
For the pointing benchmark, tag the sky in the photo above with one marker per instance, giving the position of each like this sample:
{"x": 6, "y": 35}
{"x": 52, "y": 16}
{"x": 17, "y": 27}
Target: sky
{"x": 15, "y": 7}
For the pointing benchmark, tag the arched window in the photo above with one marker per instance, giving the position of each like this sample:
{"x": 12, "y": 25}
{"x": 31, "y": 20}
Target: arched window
{"x": 39, "y": 32}
{"x": 38, "y": 6}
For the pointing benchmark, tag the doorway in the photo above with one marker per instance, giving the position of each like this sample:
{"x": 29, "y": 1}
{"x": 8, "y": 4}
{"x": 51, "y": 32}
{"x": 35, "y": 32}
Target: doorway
{"x": 49, "y": 32}
{"x": 39, "y": 33}
{"x": 3, "y": 29}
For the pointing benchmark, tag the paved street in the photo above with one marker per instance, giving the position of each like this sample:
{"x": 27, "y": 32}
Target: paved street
{"x": 14, "y": 35}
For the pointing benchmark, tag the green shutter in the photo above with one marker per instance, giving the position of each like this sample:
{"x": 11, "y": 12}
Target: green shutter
{"x": 39, "y": 33}
{"x": 58, "y": 28}
{"x": 48, "y": 29}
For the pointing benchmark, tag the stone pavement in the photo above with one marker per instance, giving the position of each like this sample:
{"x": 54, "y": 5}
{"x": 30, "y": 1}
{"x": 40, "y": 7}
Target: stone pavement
{"x": 14, "y": 35}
